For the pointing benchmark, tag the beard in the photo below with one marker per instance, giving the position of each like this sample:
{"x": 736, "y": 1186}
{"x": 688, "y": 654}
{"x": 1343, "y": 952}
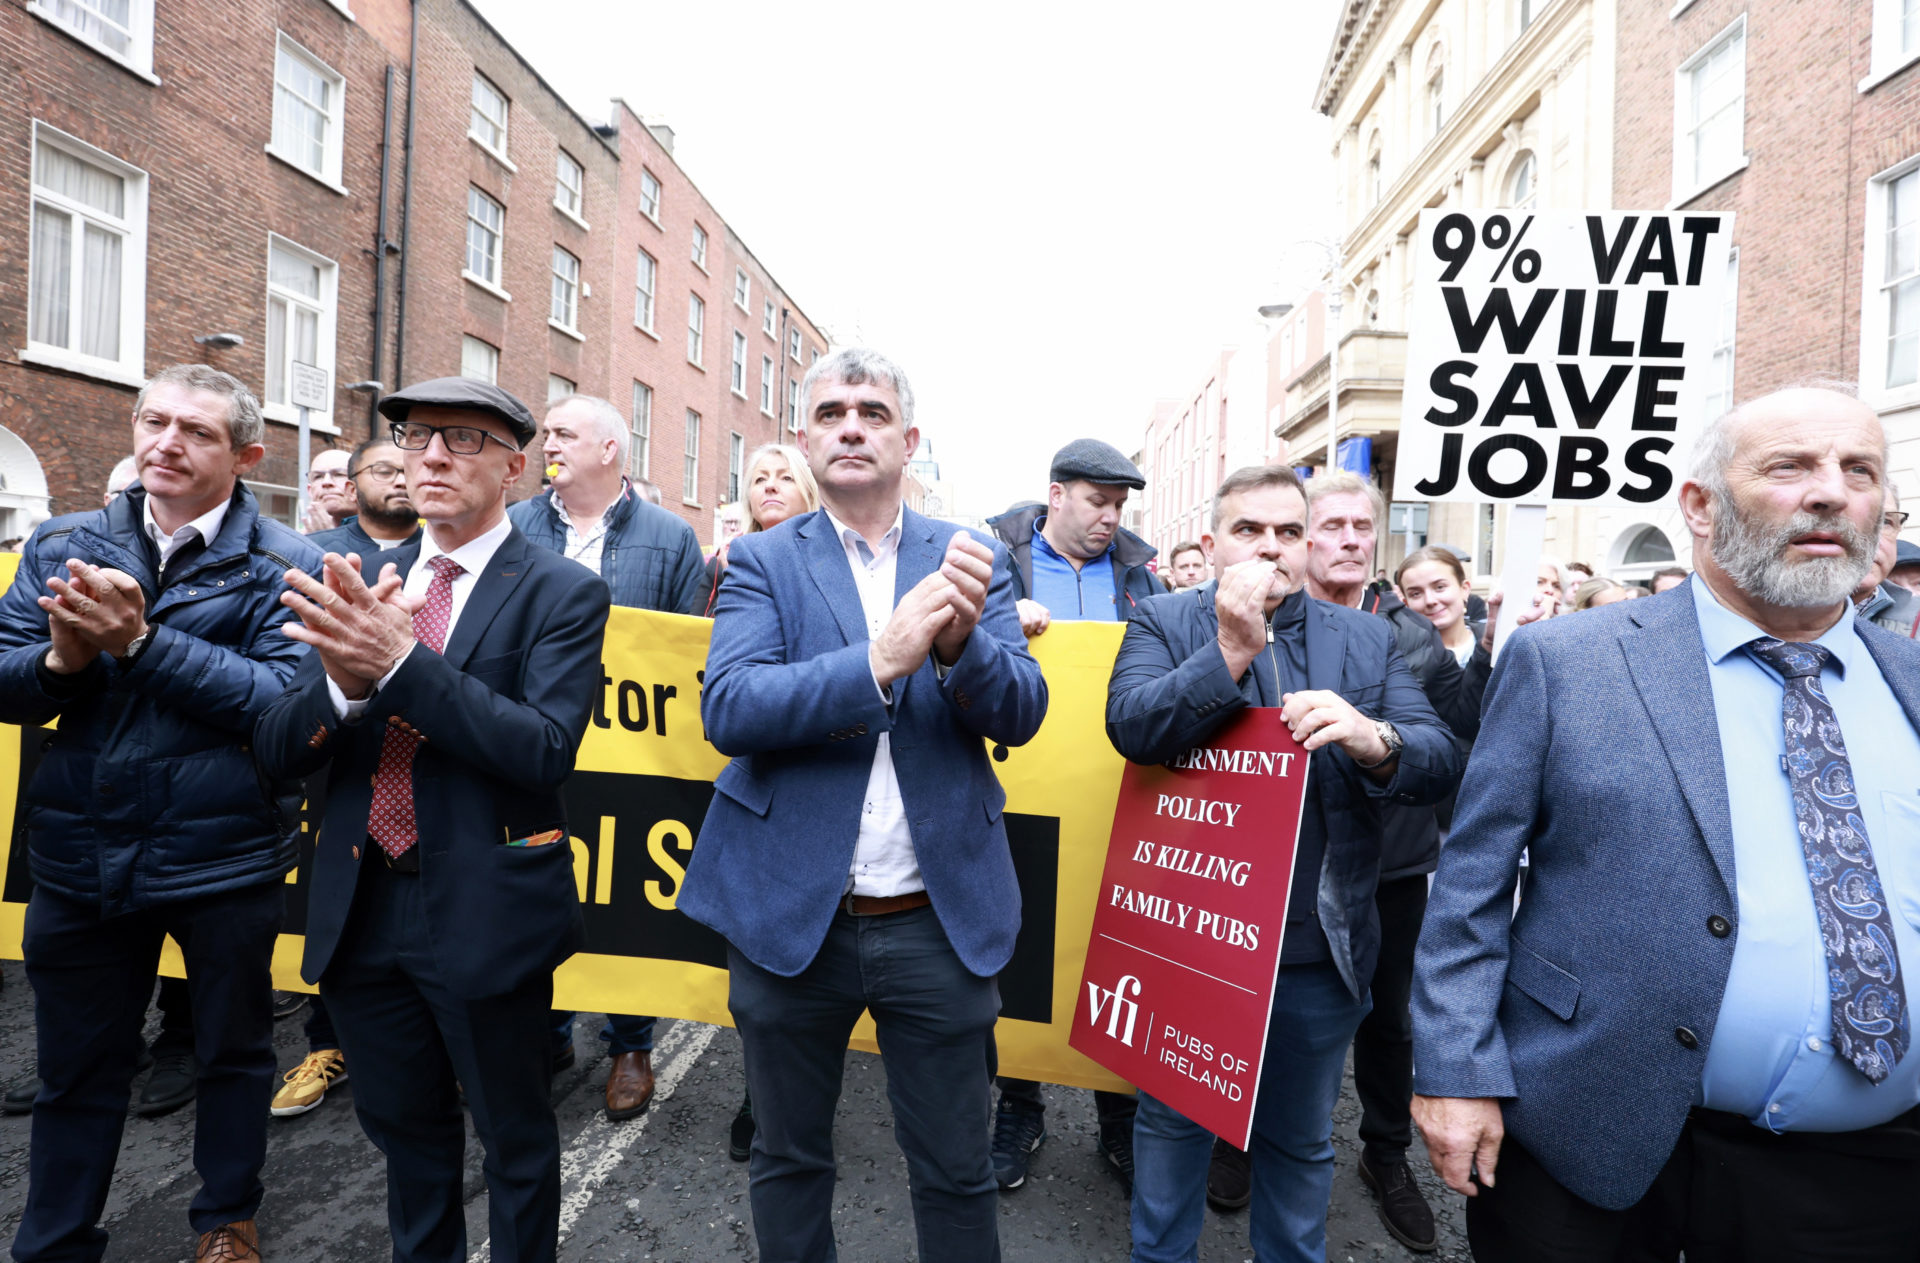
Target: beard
{"x": 1753, "y": 554}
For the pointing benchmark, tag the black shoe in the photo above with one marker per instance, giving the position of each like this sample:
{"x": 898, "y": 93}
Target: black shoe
{"x": 1403, "y": 1209}
{"x": 20, "y": 1094}
{"x": 170, "y": 1086}
{"x": 1117, "y": 1144}
{"x": 564, "y": 1057}
{"x": 1229, "y": 1178}
{"x": 740, "y": 1135}
{"x": 1017, "y": 1132}
{"x": 287, "y": 1003}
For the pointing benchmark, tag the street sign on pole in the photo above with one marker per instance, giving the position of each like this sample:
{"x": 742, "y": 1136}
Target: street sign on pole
{"x": 310, "y": 390}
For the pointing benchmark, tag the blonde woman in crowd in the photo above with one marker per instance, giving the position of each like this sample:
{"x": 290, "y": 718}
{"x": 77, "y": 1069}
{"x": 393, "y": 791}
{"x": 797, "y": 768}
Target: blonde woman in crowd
{"x": 778, "y": 486}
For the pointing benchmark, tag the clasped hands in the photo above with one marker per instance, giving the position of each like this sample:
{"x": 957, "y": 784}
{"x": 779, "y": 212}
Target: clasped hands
{"x": 94, "y": 610}
{"x": 936, "y": 615}
{"x": 360, "y": 632}
{"x": 1316, "y": 717}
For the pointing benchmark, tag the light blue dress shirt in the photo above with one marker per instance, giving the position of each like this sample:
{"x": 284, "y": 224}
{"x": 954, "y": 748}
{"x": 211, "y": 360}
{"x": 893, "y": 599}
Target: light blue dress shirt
{"x": 1068, "y": 594}
{"x": 1772, "y": 1059}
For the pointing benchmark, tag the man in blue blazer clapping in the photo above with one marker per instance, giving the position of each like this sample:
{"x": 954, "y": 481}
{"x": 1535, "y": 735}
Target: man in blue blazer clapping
{"x": 854, "y": 854}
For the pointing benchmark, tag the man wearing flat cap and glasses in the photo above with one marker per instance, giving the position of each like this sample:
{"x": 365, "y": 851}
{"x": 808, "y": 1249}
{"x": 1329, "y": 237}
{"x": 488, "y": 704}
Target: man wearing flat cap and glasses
{"x": 447, "y": 697}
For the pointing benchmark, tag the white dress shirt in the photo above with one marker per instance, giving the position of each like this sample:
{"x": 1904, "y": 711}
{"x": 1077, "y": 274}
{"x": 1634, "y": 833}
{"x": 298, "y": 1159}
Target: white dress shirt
{"x": 884, "y": 862}
{"x": 206, "y": 526}
{"x": 472, "y": 557}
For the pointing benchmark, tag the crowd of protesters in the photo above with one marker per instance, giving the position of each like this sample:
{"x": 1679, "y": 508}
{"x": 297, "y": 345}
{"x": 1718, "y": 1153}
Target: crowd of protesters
{"x": 1684, "y": 1034}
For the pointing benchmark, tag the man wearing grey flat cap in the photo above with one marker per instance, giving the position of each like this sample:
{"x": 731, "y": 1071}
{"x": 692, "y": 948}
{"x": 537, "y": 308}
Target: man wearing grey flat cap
{"x": 1071, "y": 559}
{"x": 446, "y": 698}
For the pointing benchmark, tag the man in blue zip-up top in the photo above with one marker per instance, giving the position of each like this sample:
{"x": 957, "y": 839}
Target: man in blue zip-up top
{"x": 151, "y": 630}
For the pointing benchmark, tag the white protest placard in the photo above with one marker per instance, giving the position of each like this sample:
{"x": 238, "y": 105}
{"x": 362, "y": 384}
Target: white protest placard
{"x": 1558, "y": 357}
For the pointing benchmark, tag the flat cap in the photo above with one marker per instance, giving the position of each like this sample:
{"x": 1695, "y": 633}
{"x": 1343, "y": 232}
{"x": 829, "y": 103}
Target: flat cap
{"x": 463, "y": 392}
{"x": 1905, "y": 553}
{"x": 1090, "y": 460}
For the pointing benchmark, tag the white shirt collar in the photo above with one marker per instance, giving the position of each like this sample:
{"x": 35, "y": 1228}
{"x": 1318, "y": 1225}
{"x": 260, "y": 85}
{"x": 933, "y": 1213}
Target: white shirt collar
{"x": 207, "y": 525}
{"x": 473, "y": 555}
{"x": 855, "y": 541}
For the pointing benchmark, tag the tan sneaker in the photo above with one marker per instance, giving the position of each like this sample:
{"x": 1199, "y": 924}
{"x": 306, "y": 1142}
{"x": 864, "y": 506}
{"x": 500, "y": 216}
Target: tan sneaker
{"x": 307, "y": 1083}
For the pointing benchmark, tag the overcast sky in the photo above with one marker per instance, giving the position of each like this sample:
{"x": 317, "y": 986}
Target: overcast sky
{"x": 1048, "y": 214}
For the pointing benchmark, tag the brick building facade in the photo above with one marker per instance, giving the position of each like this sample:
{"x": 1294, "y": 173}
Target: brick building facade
{"x": 193, "y": 169}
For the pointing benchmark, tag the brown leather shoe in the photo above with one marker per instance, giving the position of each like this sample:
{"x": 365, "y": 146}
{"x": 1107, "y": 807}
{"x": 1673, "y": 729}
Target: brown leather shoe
{"x": 230, "y": 1243}
{"x": 629, "y": 1085}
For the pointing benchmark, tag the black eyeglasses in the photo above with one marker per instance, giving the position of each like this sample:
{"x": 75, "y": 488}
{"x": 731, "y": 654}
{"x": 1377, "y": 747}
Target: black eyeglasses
{"x": 1894, "y": 520}
{"x": 381, "y": 472}
{"x": 461, "y": 440}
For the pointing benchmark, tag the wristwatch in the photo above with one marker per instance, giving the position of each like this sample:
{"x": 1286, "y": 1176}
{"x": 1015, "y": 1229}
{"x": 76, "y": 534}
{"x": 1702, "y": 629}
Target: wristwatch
{"x": 136, "y": 647}
{"x": 1390, "y": 737}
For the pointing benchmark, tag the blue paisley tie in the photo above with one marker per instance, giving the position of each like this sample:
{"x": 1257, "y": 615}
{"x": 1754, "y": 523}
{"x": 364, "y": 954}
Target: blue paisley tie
{"x": 1870, "y": 1022}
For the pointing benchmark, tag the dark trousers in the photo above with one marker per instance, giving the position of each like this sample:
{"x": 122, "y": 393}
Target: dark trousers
{"x": 91, "y": 980}
{"x": 1731, "y": 1193}
{"x": 175, "y": 1003}
{"x": 1114, "y": 1109}
{"x": 935, "y": 1023}
{"x": 319, "y": 1028}
{"x": 409, "y": 1039}
{"x": 1383, "y": 1046}
{"x": 623, "y": 1032}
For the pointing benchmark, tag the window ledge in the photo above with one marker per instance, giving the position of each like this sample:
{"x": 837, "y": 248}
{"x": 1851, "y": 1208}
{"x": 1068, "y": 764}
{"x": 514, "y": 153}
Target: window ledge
{"x": 287, "y": 414}
{"x": 691, "y": 504}
{"x": 654, "y": 220}
{"x": 85, "y": 366}
{"x": 1680, "y": 6}
{"x": 1894, "y": 399}
{"x": 138, "y": 72}
{"x": 345, "y": 12}
{"x": 1710, "y": 184}
{"x": 493, "y": 153}
{"x": 738, "y": 394}
{"x": 571, "y": 332}
{"x": 644, "y": 329}
{"x": 474, "y": 278}
{"x": 1879, "y": 77}
{"x": 701, "y": 266}
{"x": 578, "y": 222}
{"x": 697, "y": 364}
{"x": 309, "y": 172}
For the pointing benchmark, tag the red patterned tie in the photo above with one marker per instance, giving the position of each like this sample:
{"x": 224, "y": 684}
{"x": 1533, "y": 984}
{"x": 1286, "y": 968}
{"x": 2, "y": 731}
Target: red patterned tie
{"x": 390, "y": 818}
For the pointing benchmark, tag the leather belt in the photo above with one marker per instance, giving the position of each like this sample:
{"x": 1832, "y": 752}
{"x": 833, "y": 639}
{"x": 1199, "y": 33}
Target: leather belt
{"x": 883, "y": 905}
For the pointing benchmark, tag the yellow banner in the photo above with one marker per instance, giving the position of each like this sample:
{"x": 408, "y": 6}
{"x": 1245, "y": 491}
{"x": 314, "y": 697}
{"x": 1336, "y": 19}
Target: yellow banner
{"x": 640, "y": 791}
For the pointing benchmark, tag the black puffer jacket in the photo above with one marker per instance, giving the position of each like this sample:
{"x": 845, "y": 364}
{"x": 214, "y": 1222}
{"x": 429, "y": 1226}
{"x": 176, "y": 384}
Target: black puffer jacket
{"x": 1411, "y": 844}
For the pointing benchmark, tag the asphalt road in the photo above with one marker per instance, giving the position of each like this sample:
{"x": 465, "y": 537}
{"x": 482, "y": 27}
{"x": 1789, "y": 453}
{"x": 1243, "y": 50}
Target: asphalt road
{"x": 657, "y": 1187}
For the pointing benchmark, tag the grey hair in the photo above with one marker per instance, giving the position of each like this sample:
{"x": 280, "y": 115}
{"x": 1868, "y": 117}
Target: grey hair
{"x": 605, "y": 416}
{"x": 856, "y": 366}
{"x": 1718, "y": 442}
{"x": 122, "y": 476}
{"x": 1252, "y": 478}
{"x": 1347, "y": 483}
{"x": 245, "y": 426}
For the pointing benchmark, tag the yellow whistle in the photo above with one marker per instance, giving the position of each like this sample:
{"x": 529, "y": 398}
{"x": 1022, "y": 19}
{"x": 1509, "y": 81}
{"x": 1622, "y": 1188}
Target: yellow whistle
{"x": 552, "y": 470}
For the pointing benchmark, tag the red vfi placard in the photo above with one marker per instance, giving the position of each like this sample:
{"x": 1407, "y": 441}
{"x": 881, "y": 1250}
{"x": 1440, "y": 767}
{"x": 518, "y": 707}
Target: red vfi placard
{"x": 1178, "y": 984}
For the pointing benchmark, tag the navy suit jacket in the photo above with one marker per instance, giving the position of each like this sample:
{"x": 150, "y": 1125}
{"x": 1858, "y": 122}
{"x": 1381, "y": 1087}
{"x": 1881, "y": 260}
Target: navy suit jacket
{"x": 502, "y": 712}
{"x": 1170, "y": 691}
{"x": 790, "y": 695}
{"x": 1600, "y": 754}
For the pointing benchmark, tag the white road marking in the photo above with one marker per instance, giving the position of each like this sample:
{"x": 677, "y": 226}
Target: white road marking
{"x": 599, "y": 1148}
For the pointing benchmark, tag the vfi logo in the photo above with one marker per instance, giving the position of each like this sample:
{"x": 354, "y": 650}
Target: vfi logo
{"x": 1121, "y": 1011}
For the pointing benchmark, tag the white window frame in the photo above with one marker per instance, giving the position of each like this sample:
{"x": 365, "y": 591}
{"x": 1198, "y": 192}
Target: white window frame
{"x": 737, "y": 371}
{"x": 487, "y": 351}
{"x": 646, "y": 281}
{"x": 649, "y": 178}
{"x": 129, "y": 367}
{"x": 736, "y": 466}
{"x": 793, "y": 407}
{"x": 329, "y": 171}
{"x": 696, "y": 330}
{"x": 690, "y": 469}
{"x": 564, "y": 192}
{"x": 768, "y": 389}
{"x": 769, "y": 322}
{"x": 1528, "y": 164}
{"x": 700, "y": 247}
{"x": 1725, "y": 341}
{"x": 496, "y": 260}
{"x": 1890, "y": 55}
{"x": 327, "y": 308}
{"x": 138, "y": 56}
{"x": 1689, "y": 183}
{"x": 639, "y": 449}
{"x": 793, "y": 344}
{"x": 1874, "y": 297}
{"x": 742, "y": 290}
{"x": 1436, "y": 101}
{"x": 503, "y": 123}
{"x": 563, "y": 312}
{"x": 567, "y": 387}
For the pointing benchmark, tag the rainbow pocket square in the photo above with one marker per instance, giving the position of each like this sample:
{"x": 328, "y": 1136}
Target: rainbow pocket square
{"x": 538, "y": 839}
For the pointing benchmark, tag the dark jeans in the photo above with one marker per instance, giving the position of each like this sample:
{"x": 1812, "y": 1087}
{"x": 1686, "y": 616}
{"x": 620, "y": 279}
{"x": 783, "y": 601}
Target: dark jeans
{"x": 1383, "y": 1046}
{"x": 91, "y": 980}
{"x": 1114, "y": 1109}
{"x": 935, "y": 1022}
{"x": 409, "y": 1039}
{"x": 1731, "y": 1193}
{"x": 622, "y": 1032}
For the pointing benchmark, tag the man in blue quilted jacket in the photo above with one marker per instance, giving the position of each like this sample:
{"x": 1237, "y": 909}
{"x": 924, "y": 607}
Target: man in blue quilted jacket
{"x": 151, "y": 630}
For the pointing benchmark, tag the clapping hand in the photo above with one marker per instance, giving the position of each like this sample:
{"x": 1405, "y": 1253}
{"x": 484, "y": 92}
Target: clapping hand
{"x": 360, "y": 632}
{"x": 93, "y": 610}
